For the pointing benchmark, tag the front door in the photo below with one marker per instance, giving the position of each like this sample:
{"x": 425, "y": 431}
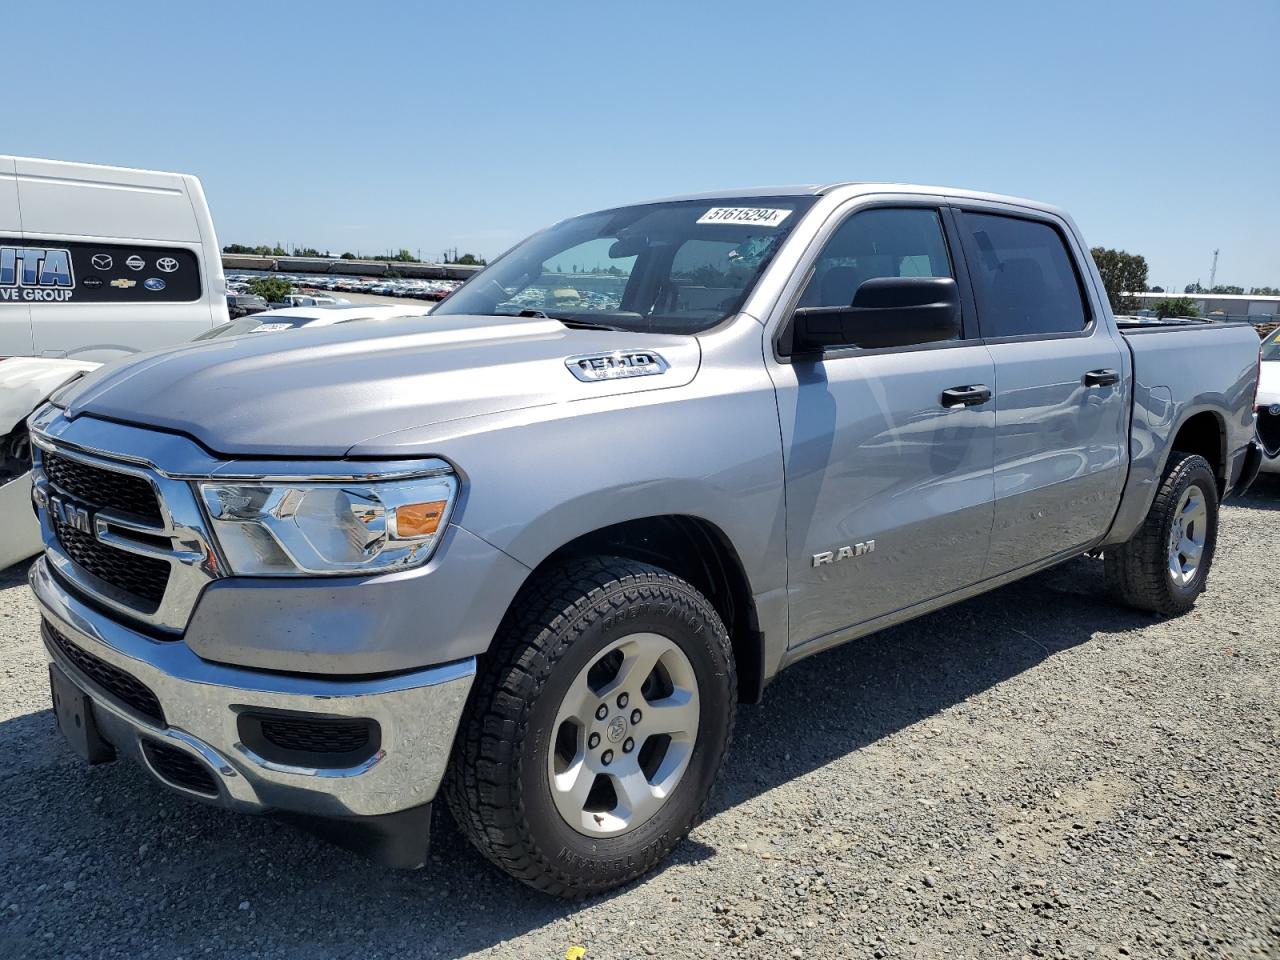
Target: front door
{"x": 1060, "y": 408}
{"x": 888, "y": 485}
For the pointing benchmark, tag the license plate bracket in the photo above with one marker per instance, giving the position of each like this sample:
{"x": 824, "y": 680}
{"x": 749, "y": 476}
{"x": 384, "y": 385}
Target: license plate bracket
{"x": 74, "y": 712}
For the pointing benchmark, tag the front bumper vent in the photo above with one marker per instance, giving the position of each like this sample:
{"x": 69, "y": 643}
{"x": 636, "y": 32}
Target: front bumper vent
{"x": 133, "y": 693}
{"x": 179, "y": 768}
{"x": 309, "y": 740}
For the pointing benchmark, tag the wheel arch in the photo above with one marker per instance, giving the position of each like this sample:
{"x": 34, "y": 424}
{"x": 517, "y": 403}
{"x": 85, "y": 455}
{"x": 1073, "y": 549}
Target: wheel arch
{"x": 1203, "y": 433}
{"x": 696, "y": 550}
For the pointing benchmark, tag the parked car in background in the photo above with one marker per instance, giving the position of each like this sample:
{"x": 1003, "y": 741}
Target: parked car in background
{"x": 310, "y": 300}
{"x": 531, "y": 555}
{"x": 244, "y": 304}
{"x": 1268, "y": 405}
{"x": 325, "y": 315}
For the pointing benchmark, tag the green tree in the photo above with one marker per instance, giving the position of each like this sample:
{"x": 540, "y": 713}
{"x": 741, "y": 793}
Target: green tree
{"x": 1176, "y": 307}
{"x": 347, "y": 255}
{"x": 307, "y": 252}
{"x": 1227, "y": 288}
{"x": 466, "y": 259}
{"x": 270, "y": 289}
{"x": 1265, "y": 291}
{"x": 1121, "y": 273}
{"x": 1193, "y": 288}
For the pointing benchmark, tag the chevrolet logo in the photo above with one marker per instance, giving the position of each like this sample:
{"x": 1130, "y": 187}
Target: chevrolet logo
{"x": 122, "y": 284}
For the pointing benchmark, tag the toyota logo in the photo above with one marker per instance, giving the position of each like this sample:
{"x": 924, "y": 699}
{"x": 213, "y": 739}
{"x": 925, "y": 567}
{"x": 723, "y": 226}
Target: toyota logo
{"x": 101, "y": 261}
{"x": 167, "y": 264}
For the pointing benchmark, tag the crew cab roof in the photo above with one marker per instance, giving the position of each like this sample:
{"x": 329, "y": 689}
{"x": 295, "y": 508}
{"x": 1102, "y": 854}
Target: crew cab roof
{"x": 864, "y": 186}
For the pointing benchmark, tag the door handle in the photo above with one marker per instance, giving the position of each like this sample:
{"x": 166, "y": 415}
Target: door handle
{"x": 1101, "y": 378}
{"x": 966, "y": 396}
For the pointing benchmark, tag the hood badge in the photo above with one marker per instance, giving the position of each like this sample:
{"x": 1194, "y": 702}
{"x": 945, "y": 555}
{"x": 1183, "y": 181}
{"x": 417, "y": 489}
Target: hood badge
{"x": 616, "y": 365}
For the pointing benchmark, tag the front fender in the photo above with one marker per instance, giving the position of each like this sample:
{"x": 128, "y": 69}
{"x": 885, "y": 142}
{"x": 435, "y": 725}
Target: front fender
{"x": 26, "y": 382}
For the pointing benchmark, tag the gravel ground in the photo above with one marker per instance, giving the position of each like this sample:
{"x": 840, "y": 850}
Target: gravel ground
{"x": 1032, "y": 773}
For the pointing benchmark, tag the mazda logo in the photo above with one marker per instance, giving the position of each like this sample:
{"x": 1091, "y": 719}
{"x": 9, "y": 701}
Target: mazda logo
{"x": 167, "y": 264}
{"x": 101, "y": 261}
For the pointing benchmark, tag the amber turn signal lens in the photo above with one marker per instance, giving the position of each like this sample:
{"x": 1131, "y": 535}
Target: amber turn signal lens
{"x": 419, "y": 519}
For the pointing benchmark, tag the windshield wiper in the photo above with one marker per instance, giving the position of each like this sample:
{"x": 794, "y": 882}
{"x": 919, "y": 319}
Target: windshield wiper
{"x": 567, "y": 321}
{"x": 591, "y": 325}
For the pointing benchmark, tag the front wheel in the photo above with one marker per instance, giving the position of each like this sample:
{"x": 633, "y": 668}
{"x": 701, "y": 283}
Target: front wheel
{"x": 597, "y": 729}
{"x": 1165, "y": 565}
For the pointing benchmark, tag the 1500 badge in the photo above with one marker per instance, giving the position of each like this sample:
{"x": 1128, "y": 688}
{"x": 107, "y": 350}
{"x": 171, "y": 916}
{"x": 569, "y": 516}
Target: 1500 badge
{"x": 35, "y": 273}
{"x": 592, "y": 367}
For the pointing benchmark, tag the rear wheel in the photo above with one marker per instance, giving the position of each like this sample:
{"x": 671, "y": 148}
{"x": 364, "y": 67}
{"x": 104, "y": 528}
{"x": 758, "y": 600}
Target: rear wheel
{"x": 596, "y": 732}
{"x": 1164, "y": 567}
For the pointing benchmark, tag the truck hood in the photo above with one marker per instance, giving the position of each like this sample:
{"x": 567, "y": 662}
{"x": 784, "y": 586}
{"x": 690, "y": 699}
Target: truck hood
{"x": 318, "y": 392}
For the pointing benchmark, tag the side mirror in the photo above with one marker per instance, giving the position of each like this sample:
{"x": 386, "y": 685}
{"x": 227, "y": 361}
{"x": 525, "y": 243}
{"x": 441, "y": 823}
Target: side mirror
{"x": 886, "y": 312}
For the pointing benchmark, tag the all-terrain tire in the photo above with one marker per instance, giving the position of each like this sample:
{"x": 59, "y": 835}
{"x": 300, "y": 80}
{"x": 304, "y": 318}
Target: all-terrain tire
{"x": 497, "y": 786}
{"x": 1138, "y": 572}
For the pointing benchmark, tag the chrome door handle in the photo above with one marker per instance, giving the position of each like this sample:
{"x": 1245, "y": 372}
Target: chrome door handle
{"x": 1101, "y": 378}
{"x": 966, "y": 396}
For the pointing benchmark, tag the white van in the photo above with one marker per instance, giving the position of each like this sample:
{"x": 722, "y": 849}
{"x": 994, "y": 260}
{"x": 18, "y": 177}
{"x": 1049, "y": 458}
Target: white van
{"x": 96, "y": 263}
{"x": 100, "y": 262}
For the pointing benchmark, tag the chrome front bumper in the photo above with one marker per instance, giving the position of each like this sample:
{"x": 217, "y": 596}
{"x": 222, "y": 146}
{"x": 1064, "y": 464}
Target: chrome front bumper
{"x": 418, "y": 714}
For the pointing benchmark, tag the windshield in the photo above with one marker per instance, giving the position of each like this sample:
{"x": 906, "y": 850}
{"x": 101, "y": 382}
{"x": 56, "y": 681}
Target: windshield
{"x": 1271, "y": 346}
{"x": 678, "y": 267}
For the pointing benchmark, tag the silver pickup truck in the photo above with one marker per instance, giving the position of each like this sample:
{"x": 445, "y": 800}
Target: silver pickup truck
{"x": 531, "y": 552}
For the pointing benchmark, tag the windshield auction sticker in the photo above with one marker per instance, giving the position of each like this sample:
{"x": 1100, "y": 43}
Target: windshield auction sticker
{"x": 746, "y": 216}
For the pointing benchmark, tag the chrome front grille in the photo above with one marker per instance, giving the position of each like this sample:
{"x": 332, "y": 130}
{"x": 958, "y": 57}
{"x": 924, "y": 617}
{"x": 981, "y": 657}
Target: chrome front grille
{"x": 122, "y": 534}
{"x": 104, "y": 489}
{"x": 1269, "y": 431}
{"x": 143, "y": 577}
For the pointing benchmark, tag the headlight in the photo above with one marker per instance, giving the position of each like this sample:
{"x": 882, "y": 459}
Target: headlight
{"x": 300, "y": 529}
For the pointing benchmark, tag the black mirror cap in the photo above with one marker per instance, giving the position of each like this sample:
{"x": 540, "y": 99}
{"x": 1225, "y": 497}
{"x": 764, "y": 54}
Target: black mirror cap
{"x": 886, "y": 312}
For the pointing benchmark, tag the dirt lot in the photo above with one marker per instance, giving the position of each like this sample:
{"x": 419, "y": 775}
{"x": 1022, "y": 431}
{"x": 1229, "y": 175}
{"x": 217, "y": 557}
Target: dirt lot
{"x": 1035, "y": 772}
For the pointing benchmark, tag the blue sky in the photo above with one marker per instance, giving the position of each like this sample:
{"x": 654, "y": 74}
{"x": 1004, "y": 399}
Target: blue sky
{"x": 370, "y": 125}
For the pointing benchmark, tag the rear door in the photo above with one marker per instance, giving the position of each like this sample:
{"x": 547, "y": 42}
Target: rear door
{"x": 1059, "y": 404}
{"x": 15, "y": 312}
{"x": 888, "y": 487}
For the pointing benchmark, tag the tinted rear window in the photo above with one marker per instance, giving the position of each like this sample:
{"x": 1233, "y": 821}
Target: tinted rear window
{"x": 1023, "y": 277}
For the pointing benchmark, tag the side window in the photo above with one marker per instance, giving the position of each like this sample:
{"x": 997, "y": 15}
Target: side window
{"x": 1023, "y": 277}
{"x": 890, "y": 242}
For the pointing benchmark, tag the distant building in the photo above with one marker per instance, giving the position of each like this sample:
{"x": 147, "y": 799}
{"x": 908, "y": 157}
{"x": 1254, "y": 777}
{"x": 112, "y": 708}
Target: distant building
{"x": 1225, "y": 306}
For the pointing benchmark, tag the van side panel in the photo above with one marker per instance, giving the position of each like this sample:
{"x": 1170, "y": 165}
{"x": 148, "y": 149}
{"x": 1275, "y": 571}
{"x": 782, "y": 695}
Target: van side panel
{"x": 215, "y": 282}
{"x": 15, "y": 318}
{"x": 110, "y": 205}
{"x": 72, "y": 199}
